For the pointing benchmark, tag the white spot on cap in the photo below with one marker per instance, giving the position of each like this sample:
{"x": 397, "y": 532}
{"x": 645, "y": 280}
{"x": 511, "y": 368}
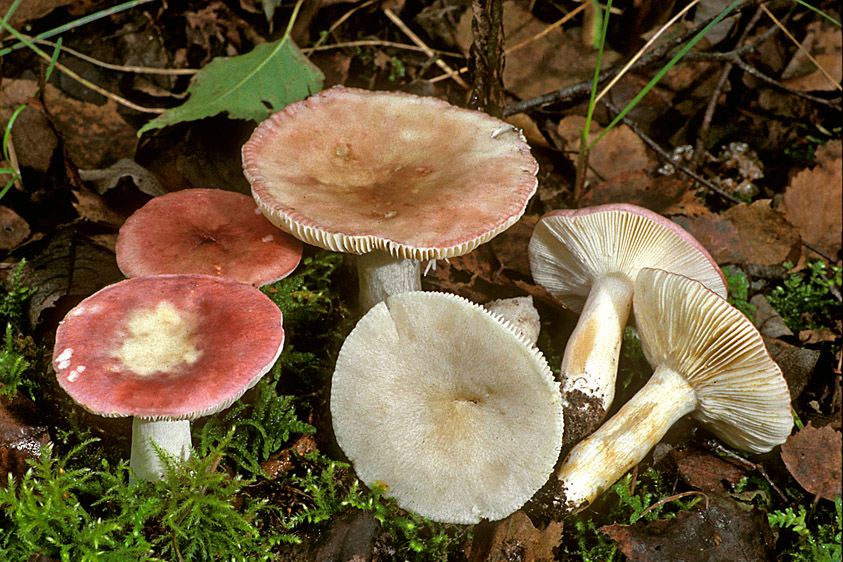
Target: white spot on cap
{"x": 257, "y": 211}
{"x": 63, "y": 360}
{"x": 267, "y": 238}
{"x": 390, "y": 214}
{"x": 74, "y": 374}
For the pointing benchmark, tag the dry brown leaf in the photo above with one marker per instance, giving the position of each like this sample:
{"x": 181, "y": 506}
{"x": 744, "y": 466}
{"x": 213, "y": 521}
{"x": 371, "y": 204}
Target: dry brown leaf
{"x": 706, "y": 472}
{"x": 515, "y": 538}
{"x": 95, "y": 135}
{"x": 824, "y": 42}
{"x": 93, "y": 208}
{"x": 666, "y": 195}
{"x": 817, "y": 335}
{"x": 33, "y": 138}
{"x": 813, "y": 457}
{"x": 31, "y": 10}
{"x": 716, "y": 234}
{"x": 21, "y": 436}
{"x": 13, "y": 229}
{"x": 764, "y": 236}
{"x": 813, "y": 201}
{"x": 797, "y": 363}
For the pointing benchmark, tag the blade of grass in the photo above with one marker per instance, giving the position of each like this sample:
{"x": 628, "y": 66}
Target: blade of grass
{"x": 68, "y": 26}
{"x": 820, "y": 12}
{"x": 582, "y": 157}
{"x": 664, "y": 70}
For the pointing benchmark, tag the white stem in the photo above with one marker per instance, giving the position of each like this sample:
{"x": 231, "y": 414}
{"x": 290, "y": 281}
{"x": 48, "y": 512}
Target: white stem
{"x": 624, "y": 440}
{"x": 590, "y": 363}
{"x": 172, "y": 437}
{"x": 382, "y": 275}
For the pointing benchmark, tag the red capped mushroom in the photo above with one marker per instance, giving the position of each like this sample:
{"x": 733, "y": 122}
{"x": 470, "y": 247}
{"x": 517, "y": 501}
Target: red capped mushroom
{"x": 209, "y": 232}
{"x": 392, "y": 177}
{"x": 589, "y": 259}
{"x": 166, "y": 349}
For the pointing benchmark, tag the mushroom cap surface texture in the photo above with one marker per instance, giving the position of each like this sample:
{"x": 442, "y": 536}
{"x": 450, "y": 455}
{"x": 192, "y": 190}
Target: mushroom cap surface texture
{"x": 354, "y": 171}
{"x": 570, "y": 248}
{"x": 208, "y": 232}
{"x": 741, "y": 394}
{"x": 167, "y": 346}
{"x": 441, "y": 401}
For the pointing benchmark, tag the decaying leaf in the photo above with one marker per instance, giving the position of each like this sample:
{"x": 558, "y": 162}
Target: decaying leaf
{"x": 725, "y": 532}
{"x": 21, "y": 435}
{"x": 719, "y": 236}
{"x": 813, "y": 457}
{"x": 666, "y": 195}
{"x": 248, "y": 86}
{"x": 813, "y": 201}
{"x": 797, "y": 363}
{"x": 13, "y": 229}
{"x": 825, "y": 43}
{"x": 515, "y": 538}
{"x": 71, "y": 265}
{"x": 706, "y": 472}
{"x": 107, "y": 178}
{"x": 764, "y": 236}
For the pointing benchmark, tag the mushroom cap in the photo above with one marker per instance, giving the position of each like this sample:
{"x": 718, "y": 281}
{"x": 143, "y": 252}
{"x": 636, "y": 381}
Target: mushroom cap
{"x": 741, "y": 393}
{"x": 440, "y": 400}
{"x": 167, "y": 346}
{"x": 355, "y": 170}
{"x": 208, "y": 232}
{"x": 570, "y": 248}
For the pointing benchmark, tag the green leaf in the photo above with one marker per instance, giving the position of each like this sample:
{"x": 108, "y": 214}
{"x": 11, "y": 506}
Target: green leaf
{"x": 247, "y": 86}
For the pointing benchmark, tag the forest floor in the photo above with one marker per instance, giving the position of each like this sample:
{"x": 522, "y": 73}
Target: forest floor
{"x": 108, "y": 105}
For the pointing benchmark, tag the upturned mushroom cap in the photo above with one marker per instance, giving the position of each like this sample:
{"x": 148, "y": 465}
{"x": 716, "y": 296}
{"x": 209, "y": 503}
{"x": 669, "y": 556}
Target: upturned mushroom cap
{"x": 209, "y": 232}
{"x": 741, "y": 394}
{"x": 442, "y": 402}
{"x": 167, "y": 347}
{"x": 355, "y": 171}
{"x": 570, "y": 248}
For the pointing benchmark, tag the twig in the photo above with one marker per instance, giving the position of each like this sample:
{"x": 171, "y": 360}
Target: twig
{"x": 702, "y": 136}
{"x": 667, "y": 158}
{"x": 427, "y": 50}
{"x": 339, "y": 22}
{"x": 377, "y": 43}
{"x": 674, "y": 497}
{"x": 746, "y": 463}
{"x": 801, "y": 48}
{"x": 118, "y": 67}
{"x": 522, "y": 44}
{"x": 582, "y": 89}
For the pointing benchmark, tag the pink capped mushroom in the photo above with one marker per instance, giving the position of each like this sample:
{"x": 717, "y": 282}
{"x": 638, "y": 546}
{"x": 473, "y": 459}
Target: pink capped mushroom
{"x": 392, "y": 177}
{"x": 208, "y": 232}
{"x": 589, "y": 259}
{"x": 166, "y": 349}
{"x": 710, "y": 362}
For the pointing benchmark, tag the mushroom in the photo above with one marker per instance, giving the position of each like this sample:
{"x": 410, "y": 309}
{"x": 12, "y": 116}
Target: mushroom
{"x": 439, "y": 401}
{"x": 709, "y": 362}
{"x": 392, "y": 177}
{"x": 589, "y": 259}
{"x": 521, "y": 315}
{"x": 166, "y": 349}
{"x": 206, "y": 231}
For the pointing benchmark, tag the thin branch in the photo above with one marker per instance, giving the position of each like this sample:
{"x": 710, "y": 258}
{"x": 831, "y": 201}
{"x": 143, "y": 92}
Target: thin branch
{"x": 428, "y": 51}
{"x": 667, "y": 158}
{"x": 674, "y": 497}
{"x": 117, "y": 67}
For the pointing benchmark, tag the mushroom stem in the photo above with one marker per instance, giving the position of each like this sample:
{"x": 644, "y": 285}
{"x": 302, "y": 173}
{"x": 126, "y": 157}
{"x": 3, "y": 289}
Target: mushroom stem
{"x": 590, "y": 363}
{"x": 624, "y": 440}
{"x": 171, "y": 437}
{"x": 382, "y": 275}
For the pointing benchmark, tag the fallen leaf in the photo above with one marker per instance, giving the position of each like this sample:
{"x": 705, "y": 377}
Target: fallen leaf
{"x": 13, "y": 229}
{"x": 30, "y": 10}
{"x": 108, "y": 178}
{"x": 706, "y": 472}
{"x": 767, "y": 319}
{"x": 813, "y": 201}
{"x": 825, "y": 43}
{"x": 764, "y": 236}
{"x": 725, "y": 532}
{"x": 71, "y": 265}
{"x": 95, "y": 135}
{"x": 813, "y": 458}
{"x": 21, "y": 435}
{"x": 33, "y": 138}
{"x": 515, "y": 538}
{"x": 797, "y": 363}
{"x": 509, "y": 246}
{"x": 817, "y": 335}
{"x": 91, "y": 207}
{"x": 719, "y": 236}
{"x": 665, "y": 195}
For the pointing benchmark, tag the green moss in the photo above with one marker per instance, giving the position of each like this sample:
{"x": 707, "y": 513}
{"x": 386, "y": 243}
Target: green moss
{"x": 739, "y": 292}
{"x": 806, "y": 299}
{"x": 13, "y": 303}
